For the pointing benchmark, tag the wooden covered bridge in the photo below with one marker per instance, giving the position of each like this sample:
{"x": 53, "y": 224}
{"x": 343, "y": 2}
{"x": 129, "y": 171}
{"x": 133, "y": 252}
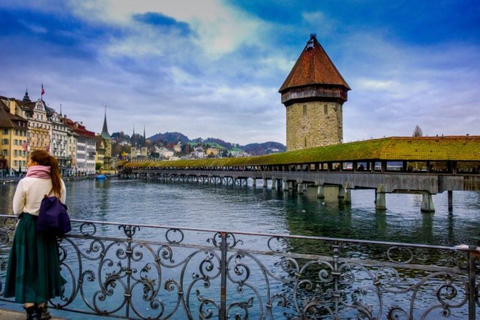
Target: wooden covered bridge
{"x": 425, "y": 165}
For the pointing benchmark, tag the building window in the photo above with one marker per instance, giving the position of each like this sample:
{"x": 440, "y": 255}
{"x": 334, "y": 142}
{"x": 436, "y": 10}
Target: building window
{"x": 325, "y": 109}
{"x": 15, "y": 163}
{"x": 305, "y": 142}
{"x": 5, "y": 141}
{"x": 304, "y": 109}
{"x": 5, "y": 131}
{"x": 15, "y": 153}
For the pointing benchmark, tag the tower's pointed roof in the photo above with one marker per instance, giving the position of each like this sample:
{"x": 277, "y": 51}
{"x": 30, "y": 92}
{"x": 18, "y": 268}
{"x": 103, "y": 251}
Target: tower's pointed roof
{"x": 105, "y": 135}
{"x": 313, "y": 67}
{"x": 26, "y": 98}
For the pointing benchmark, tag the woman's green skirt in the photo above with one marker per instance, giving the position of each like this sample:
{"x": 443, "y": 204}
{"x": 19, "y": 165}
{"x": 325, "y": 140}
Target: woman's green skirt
{"x": 33, "y": 274}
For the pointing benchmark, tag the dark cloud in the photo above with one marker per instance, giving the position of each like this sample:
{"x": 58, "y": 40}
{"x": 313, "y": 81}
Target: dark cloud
{"x": 160, "y": 20}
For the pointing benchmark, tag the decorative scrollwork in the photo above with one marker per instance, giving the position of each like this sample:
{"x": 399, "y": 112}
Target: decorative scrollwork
{"x": 88, "y": 229}
{"x": 174, "y": 233}
{"x": 230, "y": 239}
{"x": 397, "y": 313}
{"x": 255, "y": 276}
{"x": 278, "y": 244}
{"x": 400, "y": 255}
{"x": 206, "y": 306}
{"x": 129, "y": 230}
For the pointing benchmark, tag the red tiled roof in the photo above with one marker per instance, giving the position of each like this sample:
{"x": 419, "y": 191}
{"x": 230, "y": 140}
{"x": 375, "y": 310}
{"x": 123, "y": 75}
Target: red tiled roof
{"x": 313, "y": 67}
{"x": 78, "y": 128}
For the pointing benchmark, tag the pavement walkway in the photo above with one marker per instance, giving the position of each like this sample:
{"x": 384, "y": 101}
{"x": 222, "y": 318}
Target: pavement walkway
{"x": 15, "y": 315}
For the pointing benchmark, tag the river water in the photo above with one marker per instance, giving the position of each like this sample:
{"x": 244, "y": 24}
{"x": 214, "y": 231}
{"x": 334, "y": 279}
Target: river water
{"x": 262, "y": 210}
{"x": 268, "y": 211}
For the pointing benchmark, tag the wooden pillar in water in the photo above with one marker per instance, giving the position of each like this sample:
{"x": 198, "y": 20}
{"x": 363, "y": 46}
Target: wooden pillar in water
{"x": 254, "y": 182}
{"x": 320, "y": 192}
{"x": 450, "y": 200}
{"x": 265, "y": 183}
{"x": 300, "y": 188}
{"x": 427, "y": 202}
{"x": 380, "y": 199}
{"x": 347, "y": 199}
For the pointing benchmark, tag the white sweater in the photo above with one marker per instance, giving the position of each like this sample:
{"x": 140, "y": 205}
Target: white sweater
{"x": 29, "y": 194}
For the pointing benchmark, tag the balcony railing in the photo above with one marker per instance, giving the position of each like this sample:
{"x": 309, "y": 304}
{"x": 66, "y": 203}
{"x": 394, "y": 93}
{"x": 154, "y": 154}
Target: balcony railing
{"x": 139, "y": 271}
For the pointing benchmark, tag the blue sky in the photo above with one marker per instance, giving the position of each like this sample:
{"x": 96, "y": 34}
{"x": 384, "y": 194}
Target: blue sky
{"x": 213, "y": 68}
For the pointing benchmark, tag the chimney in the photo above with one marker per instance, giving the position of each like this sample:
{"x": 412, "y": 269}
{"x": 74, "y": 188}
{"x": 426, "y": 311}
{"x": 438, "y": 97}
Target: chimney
{"x": 13, "y": 106}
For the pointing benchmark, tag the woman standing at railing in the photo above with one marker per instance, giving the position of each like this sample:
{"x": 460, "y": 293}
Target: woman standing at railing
{"x": 33, "y": 274}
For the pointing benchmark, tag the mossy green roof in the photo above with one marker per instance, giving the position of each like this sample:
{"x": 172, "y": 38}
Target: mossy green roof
{"x": 455, "y": 148}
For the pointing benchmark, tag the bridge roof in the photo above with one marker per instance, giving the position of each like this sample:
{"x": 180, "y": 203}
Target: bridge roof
{"x": 454, "y": 148}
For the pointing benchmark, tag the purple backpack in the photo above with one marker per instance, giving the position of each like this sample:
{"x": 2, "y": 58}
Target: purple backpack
{"x": 53, "y": 217}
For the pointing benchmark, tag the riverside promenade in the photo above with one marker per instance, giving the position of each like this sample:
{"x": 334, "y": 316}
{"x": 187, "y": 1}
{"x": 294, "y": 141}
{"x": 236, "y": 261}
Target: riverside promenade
{"x": 6, "y": 314}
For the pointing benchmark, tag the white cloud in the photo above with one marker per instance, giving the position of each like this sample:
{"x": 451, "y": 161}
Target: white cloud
{"x": 219, "y": 29}
{"x": 397, "y": 86}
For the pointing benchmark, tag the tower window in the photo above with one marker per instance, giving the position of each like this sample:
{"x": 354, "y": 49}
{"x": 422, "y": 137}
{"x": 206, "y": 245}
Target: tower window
{"x": 304, "y": 109}
{"x": 305, "y": 142}
{"x": 325, "y": 109}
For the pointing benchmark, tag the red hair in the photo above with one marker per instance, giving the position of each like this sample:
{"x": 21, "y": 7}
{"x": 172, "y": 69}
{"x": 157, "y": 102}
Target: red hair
{"x": 43, "y": 158}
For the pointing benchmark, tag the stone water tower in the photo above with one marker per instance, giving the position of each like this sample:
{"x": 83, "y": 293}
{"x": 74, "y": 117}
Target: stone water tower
{"x": 313, "y": 94}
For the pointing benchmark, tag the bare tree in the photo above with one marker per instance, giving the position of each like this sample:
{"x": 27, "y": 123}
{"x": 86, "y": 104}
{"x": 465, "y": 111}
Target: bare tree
{"x": 417, "y": 132}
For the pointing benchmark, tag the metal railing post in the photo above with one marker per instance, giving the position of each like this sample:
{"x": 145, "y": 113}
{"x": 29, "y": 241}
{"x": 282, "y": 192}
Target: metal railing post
{"x": 471, "y": 287}
{"x": 223, "y": 272}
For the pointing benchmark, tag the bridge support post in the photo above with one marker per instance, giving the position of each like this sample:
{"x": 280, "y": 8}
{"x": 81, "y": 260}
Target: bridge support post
{"x": 320, "y": 192}
{"x": 265, "y": 183}
{"x": 427, "y": 202}
{"x": 450, "y": 200}
{"x": 347, "y": 199}
{"x": 300, "y": 188}
{"x": 341, "y": 193}
{"x": 380, "y": 200}
{"x": 279, "y": 184}
{"x": 254, "y": 182}
{"x": 274, "y": 184}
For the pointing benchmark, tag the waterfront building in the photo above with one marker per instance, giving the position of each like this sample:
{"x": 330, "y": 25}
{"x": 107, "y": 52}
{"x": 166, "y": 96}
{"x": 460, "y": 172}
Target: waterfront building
{"x": 39, "y": 127}
{"x": 72, "y": 138}
{"x": 59, "y": 141}
{"x": 85, "y": 148}
{"x": 313, "y": 94}
{"x": 13, "y": 141}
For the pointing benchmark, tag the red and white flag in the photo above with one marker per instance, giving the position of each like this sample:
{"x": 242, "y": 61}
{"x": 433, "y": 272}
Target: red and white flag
{"x": 43, "y": 91}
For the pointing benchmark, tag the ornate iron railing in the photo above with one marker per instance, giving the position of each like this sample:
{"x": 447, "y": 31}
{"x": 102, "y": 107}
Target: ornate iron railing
{"x": 140, "y": 271}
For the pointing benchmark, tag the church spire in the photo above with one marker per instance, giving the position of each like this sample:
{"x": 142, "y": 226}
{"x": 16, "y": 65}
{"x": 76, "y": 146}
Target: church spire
{"x": 105, "y": 135}
{"x": 144, "y": 137}
{"x": 133, "y": 141}
{"x": 26, "y": 98}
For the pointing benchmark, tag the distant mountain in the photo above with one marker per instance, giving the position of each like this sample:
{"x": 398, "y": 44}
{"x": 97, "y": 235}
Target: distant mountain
{"x": 169, "y": 137}
{"x": 263, "y": 148}
{"x": 174, "y": 137}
